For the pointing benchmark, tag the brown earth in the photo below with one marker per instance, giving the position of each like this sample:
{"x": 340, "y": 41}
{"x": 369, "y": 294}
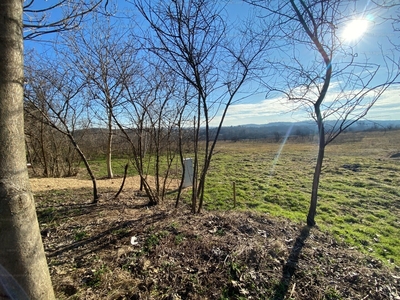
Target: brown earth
{"x": 47, "y": 184}
{"x": 214, "y": 255}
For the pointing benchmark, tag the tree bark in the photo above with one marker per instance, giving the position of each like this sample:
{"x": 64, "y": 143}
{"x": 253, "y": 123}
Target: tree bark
{"x": 21, "y": 248}
{"x": 311, "y": 32}
{"x": 110, "y": 174}
{"x": 317, "y": 172}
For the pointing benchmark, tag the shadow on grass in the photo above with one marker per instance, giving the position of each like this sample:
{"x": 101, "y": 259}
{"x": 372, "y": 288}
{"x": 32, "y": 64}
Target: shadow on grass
{"x": 290, "y": 266}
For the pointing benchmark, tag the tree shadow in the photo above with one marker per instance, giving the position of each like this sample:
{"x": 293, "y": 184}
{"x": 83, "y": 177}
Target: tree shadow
{"x": 103, "y": 240}
{"x": 288, "y": 270}
{"x": 58, "y": 212}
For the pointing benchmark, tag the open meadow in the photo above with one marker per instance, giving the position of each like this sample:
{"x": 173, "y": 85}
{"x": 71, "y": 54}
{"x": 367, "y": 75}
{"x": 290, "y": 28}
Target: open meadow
{"x": 260, "y": 249}
{"x": 359, "y": 194}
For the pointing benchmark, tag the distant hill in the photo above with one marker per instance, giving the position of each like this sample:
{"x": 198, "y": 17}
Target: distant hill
{"x": 363, "y": 124}
{"x": 275, "y": 130}
{"x": 305, "y": 128}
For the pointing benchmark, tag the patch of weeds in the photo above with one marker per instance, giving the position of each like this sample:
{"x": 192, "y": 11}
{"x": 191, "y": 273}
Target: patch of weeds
{"x": 94, "y": 279}
{"x": 232, "y": 291}
{"x": 153, "y": 240}
{"x": 179, "y": 239}
{"x": 359, "y": 184}
{"x": 279, "y": 289}
{"x": 371, "y": 218}
{"x": 225, "y": 297}
{"x": 167, "y": 265}
{"x": 174, "y": 225}
{"x": 80, "y": 235}
{"x": 130, "y": 261}
{"x": 350, "y": 219}
{"x": 252, "y": 204}
{"x": 332, "y": 294}
{"x": 220, "y": 232}
{"x": 47, "y": 215}
{"x": 235, "y": 270}
{"x": 127, "y": 265}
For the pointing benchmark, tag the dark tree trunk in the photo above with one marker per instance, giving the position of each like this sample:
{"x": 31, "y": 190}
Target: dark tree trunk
{"x": 317, "y": 172}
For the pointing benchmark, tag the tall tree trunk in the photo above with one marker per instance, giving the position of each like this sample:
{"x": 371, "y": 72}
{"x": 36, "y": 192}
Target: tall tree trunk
{"x": 181, "y": 159}
{"x": 196, "y": 128}
{"x": 109, "y": 144}
{"x": 317, "y": 172}
{"x": 44, "y": 155}
{"x": 21, "y": 248}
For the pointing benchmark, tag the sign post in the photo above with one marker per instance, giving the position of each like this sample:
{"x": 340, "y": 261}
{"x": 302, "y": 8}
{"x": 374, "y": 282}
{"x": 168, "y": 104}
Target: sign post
{"x": 188, "y": 178}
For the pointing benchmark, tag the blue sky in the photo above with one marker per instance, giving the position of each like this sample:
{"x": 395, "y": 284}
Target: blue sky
{"x": 257, "y": 109}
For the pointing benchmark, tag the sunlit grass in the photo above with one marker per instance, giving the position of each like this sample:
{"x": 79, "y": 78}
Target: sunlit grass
{"x": 359, "y": 189}
{"x": 99, "y": 167}
{"x": 359, "y": 194}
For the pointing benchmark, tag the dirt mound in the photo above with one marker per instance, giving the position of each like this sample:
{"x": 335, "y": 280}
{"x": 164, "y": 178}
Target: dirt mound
{"x": 215, "y": 255}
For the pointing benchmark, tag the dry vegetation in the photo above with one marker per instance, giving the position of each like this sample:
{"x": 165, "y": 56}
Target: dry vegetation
{"x": 231, "y": 254}
{"x": 216, "y": 255}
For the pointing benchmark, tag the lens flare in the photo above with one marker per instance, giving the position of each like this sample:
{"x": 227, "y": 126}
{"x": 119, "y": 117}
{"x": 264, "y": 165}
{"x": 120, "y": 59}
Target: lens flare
{"x": 278, "y": 154}
{"x": 355, "y": 29}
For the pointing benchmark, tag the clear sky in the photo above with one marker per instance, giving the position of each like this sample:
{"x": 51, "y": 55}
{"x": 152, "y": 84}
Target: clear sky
{"x": 257, "y": 109}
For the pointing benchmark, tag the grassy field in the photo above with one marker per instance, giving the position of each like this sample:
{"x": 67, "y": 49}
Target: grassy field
{"x": 359, "y": 195}
{"x": 260, "y": 249}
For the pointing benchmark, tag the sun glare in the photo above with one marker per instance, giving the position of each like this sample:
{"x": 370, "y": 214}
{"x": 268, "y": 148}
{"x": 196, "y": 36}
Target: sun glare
{"x": 355, "y": 29}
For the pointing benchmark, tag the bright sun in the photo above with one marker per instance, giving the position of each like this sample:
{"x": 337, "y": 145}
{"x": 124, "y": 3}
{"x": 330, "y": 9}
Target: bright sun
{"x": 355, "y": 29}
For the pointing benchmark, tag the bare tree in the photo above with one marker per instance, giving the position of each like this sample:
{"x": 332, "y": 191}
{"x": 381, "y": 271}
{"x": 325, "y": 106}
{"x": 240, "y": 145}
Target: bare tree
{"x": 54, "y": 91}
{"x": 49, "y": 152}
{"x": 191, "y": 38}
{"x": 148, "y": 123}
{"x": 21, "y": 249}
{"x": 37, "y": 20}
{"x": 392, "y": 15}
{"x": 322, "y": 72}
{"x": 103, "y": 54}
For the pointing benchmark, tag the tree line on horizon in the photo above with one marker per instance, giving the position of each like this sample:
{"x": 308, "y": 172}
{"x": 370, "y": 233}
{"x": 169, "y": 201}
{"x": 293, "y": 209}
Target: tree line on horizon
{"x": 53, "y": 155}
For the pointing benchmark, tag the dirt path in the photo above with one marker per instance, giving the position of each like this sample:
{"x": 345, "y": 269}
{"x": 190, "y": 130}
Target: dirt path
{"x": 47, "y": 184}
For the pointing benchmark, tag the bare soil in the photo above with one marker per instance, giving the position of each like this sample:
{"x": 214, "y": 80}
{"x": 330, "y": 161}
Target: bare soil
{"x": 68, "y": 183}
{"x": 178, "y": 255}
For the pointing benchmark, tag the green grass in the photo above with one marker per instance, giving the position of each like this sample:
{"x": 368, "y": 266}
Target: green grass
{"x": 360, "y": 207}
{"x": 359, "y": 194}
{"x": 80, "y": 235}
{"x": 99, "y": 167}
